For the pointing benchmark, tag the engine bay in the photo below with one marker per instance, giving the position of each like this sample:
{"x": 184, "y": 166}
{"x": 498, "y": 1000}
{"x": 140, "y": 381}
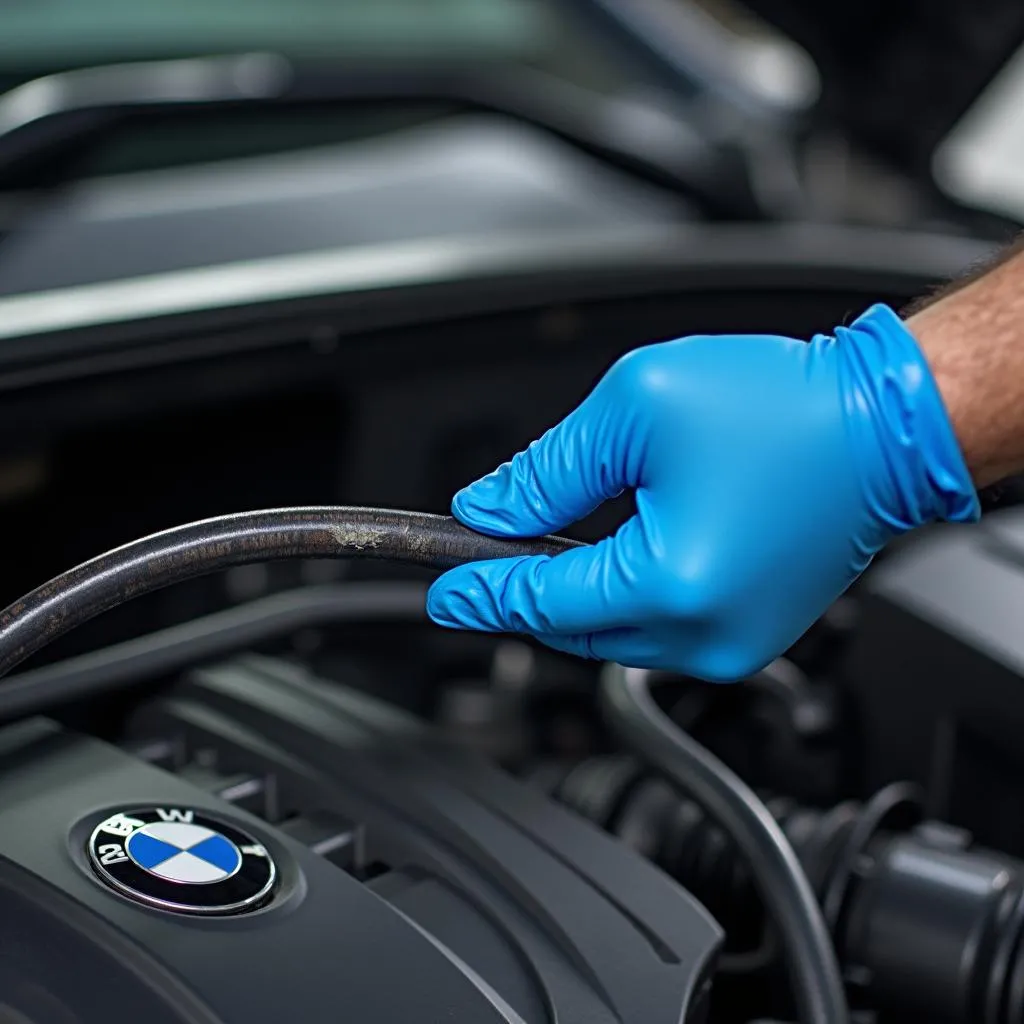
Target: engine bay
{"x": 379, "y": 819}
{"x": 386, "y": 821}
{"x": 274, "y": 285}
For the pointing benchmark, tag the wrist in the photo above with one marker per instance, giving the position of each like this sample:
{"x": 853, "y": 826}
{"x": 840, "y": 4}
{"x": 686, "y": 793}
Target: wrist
{"x": 915, "y": 470}
{"x": 939, "y": 333}
{"x": 973, "y": 340}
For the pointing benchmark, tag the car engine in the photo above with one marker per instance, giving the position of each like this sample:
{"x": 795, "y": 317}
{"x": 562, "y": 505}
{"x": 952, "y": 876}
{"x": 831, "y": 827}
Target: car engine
{"x": 411, "y": 884}
{"x": 316, "y": 805}
{"x": 279, "y": 272}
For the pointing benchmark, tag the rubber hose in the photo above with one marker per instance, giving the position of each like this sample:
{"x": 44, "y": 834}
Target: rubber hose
{"x": 787, "y": 894}
{"x": 196, "y": 549}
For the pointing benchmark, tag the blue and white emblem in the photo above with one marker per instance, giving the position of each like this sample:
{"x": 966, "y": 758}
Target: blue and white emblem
{"x": 182, "y": 860}
{"x": 183, "y": 852}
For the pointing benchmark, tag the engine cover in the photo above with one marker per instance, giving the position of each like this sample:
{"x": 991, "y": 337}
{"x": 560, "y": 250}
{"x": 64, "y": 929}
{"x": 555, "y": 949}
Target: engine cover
{"x": 270, "y": 847}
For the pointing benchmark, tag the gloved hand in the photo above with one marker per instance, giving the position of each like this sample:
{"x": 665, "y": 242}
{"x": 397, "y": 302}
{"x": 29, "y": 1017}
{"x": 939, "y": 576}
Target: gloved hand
{"x": 767, "y": 471}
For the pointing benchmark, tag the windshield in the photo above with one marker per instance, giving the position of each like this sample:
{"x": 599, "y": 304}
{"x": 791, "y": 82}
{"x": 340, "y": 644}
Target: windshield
{"x": 600, "y": 142}
{"x": 38, "y": 37}
{"x": 41, "y": 36}
{"x": 48, "y": 31}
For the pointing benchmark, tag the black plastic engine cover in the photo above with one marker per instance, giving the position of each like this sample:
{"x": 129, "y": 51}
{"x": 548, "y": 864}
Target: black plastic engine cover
{"x": 417, "y": 883}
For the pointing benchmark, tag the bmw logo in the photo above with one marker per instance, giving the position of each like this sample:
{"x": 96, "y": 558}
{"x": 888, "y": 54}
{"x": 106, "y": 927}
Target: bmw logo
{"x": 182, "y": 860}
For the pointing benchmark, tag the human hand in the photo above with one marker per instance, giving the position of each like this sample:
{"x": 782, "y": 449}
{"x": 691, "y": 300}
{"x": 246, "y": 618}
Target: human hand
{"x": 767, "y": 472}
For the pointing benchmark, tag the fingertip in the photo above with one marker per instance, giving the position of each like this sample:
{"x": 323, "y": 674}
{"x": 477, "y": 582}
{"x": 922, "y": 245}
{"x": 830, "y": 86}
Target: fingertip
{"x": 455, "y": 600}
{"x": 438, "y": 605}
{"x": 480, "y": 506}
{"x": 470, "y": 596}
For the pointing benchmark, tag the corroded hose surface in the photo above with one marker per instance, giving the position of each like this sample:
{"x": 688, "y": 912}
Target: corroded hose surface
{"x": 415, "y": 538}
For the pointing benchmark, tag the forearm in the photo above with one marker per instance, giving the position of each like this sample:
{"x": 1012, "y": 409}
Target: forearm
{"x": 973, "y": 339}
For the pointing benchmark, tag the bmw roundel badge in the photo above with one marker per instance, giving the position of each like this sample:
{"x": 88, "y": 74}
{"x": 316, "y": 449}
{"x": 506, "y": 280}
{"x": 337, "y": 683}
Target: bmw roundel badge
{"x": 182, "y": 860}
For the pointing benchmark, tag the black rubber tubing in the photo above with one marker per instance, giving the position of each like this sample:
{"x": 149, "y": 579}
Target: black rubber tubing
{"x": 200, "y": 548}
{"x": 634, "y": 716}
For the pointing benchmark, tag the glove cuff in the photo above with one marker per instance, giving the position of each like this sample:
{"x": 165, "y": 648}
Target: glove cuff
{"x": 916, "y": 472}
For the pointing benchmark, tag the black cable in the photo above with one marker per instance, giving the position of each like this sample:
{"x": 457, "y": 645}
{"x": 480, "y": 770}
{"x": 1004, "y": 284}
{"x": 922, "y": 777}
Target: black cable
{"x": 196, "y": 549}
{"x": 787, "y": 894}
{"x": 143, "y": 658}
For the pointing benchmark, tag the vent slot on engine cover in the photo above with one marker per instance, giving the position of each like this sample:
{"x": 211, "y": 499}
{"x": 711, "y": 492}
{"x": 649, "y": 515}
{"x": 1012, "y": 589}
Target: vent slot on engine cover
{"x": 330, "y": 835}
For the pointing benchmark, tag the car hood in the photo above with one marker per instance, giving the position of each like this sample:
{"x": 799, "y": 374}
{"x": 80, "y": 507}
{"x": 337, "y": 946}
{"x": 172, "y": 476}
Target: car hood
{"x": 468, "y": 176}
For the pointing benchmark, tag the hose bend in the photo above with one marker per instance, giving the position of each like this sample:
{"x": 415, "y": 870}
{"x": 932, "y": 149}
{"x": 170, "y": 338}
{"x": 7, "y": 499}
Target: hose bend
{"x": 196, "y": 549}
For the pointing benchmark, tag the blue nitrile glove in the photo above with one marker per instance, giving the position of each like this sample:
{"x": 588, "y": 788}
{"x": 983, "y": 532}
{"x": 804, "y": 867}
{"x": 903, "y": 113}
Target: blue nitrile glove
{"x": 768, "y": 472}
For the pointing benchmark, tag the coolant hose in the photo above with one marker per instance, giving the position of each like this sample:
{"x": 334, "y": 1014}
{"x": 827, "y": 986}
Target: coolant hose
{"x": 196, "y": 549}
